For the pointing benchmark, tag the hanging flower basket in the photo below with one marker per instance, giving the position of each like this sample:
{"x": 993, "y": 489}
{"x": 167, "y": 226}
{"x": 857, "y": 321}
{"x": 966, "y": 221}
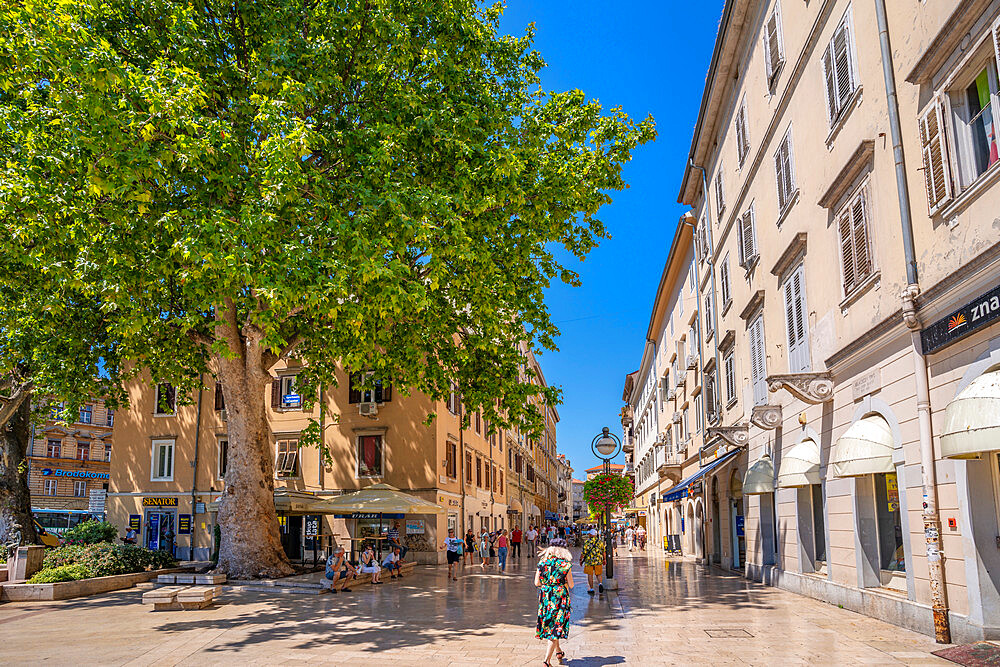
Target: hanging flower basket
{"x": 608, "y": 492}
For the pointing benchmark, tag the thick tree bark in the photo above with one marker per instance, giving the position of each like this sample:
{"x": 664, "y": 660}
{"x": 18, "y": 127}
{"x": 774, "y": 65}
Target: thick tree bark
{"x": 16, "y": 525}
{"x": 251, "y": 544}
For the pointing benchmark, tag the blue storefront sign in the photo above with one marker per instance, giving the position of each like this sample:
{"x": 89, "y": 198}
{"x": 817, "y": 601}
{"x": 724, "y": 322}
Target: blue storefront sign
{"x": 368, "y": 515}
{"x": 739, "y": 525}
{"x": 153, "y": 532}
{"x": 88, "y": 474}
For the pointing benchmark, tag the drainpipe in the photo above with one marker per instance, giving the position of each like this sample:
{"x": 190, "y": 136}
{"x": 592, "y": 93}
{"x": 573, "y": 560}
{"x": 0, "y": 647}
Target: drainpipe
{"x": 194, "y": 476}
{"x": 932, "y": 522}
{"x": 322, "y": 438}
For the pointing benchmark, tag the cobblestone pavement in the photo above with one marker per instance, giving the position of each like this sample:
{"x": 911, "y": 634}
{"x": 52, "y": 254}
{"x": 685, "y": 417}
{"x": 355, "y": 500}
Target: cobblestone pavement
{"x": 667, "y": 613}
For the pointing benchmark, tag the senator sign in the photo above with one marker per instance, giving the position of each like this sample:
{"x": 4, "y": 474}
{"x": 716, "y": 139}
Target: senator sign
{"x": 971, "y": 317}
{"x": 159, "y": 502}
{"x": 90, "y": 474}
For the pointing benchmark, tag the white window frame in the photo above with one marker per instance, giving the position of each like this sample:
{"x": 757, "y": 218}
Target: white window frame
{"x": 82, "y": 445}
{"x": 698, "y": 420}
{"x": 156, "y": 401}
{"x": 50, "y": 487}
{"x": 742, "y": 132}
{"x": 153, "y": 469}
{"x": 48, "y": 448}
{"x": 286, "y": 387}
{"x": 796, "y": 320}
{"x": 729, "y": 366}
{"x": 773, "y": 62}
{"x": 836, "y": 107}
{"x": 287, "y": 459}
{"x": 758, "y": 378}
{"x": 784, "y": 173}
{"x": 726, "y": 288}
{"x": 79, "y": 488}
{"x": 88, "y": 410}
{"x": 850, "y": 245}
{"x": 709, "y": 319}
{"x": 357, "y": 455}
{"x": 720, "y": 194}
{"x": 107, "y": 452}
{"x": 221, "y": 457}
{"x": 747, "y": 223}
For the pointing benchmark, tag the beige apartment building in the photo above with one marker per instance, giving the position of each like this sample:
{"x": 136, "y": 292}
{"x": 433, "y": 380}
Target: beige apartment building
{"x": 171, "y": 465}
{"x": 842, "y": 181}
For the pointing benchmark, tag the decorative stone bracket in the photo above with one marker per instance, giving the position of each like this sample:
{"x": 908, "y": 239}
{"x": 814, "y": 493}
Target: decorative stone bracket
{"x": 670, "y": 470}
{"x": 737, "y": 435}
{"x": 814, "y": 388}
{"x": 766, "y": 416}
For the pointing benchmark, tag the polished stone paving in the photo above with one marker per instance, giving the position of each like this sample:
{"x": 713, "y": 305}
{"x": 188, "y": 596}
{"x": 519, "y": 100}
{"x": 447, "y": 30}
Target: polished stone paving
{"x": 666, "y": 613}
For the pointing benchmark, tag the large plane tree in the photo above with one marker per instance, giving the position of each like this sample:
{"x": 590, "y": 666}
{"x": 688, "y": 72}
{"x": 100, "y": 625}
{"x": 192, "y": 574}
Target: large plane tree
{"x": 377, "y": 185}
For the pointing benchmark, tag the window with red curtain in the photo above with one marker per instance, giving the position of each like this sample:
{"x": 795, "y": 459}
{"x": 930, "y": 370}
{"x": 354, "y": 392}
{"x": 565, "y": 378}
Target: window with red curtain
{"x": 370, "y": 456}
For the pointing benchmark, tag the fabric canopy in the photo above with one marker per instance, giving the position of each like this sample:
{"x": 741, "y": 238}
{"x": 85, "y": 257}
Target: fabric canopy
{"x": 681, "y": 490}
{"x": 972, "y": 419}
{"x": 380, "y": 499}
{"x": 864, "y": 449}
{"x": 514, "y": 505}
{"x": 760, "y": 477}
{"x": 800, "y": 465}
{"x": 288, "y": 501}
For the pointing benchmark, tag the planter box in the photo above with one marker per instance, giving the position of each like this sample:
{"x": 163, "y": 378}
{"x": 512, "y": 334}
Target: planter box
{"x": 64, "y": 590}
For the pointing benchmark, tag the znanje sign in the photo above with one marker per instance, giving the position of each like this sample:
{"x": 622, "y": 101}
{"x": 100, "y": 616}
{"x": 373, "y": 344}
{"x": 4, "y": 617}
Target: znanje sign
{"x": 971, "y": 317}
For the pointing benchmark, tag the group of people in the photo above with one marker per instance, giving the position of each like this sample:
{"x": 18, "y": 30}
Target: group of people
{"x": 633, "y": 537}
{"x": 339, "y": 567}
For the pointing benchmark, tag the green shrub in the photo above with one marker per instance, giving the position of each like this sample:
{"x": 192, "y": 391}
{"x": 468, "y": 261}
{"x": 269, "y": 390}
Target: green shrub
{"x": 68, "y": 554}
{"x": 90, "y": 532}
{"x": 52, "y": 575}
{"x": 107, "y": 559}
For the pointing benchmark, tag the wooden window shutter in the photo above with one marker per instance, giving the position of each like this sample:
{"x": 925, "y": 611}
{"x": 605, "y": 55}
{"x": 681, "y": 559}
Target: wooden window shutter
{"x": 276, "y": 393}
{"x": 830, "y": 78}
{"x": 758, "y": 366}
{"x": 742, "y": 137}
{"x": 772, "y": 46}
{"x": 748, "y": 244}
{"x": 779, "y": 176}
{"x": 720, "y": 196}
{"x": 842, "y": 62}
{"x": 862, "y": 245}
{"x": 353, "y": 392}
{"x": 386, "y": 392}
{"x": 795, "y": 316}
{"x": 847, "y": 251}
{"x": 937, "y": 177}
{"x": 724, "y": 279}
{"x": 220, "y": 399}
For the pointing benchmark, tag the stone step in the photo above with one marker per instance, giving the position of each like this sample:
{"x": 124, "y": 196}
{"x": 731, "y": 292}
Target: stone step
{"x": 281, "y": 590}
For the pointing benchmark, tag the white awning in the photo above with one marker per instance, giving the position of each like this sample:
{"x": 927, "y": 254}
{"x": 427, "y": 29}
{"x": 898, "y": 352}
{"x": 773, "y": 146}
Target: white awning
{"x": 972, "y": 419}
{"x": 864, "y": 449}
{"x": 800, "y": 465}
{"x": 760, "y": 477}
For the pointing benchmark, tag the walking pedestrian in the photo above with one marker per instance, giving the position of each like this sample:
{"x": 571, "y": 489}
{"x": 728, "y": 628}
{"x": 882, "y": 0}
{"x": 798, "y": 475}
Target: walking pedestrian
{"x": 453, "y": 546}
{"x": 640, "y": 533}
{"x": 554, "y": 579}
{"x": 502, "y": 550}
{"x": 532, "y": 536}
{"x": 484, "y": 549}
{"x": 515, "y": 542}
{"x": 592, "y": 560}
{"x": 470, "y": 546}
{"x": 630, "y": 538}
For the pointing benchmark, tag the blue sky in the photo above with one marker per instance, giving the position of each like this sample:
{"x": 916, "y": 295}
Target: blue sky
{"x": 649, "y": 58}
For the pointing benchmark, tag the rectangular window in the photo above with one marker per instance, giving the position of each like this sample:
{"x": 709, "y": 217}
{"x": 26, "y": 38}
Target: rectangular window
{"x": 379, "y": 391}
{"x": 163, "y": 461}
{"x": 890, "y": 528}
{"x": 468, "y": 467}
{"x": 479, "y": 472}
{"x": 495, "y": 480}
{"x": 758, "y": 365}
{"x": 479, "y": 423}
{"x": 720, "y": 195}
{"x": 518, "y": 463}
{"x": 166, "y": 399}
{"x": 288, "y": 396}
{"x": 110, "y": 417}
{"x": 784, "y": 172}
{"x": 451, "y": 460}
{"x": 371, "y": 456}
{"x": 937, "y": 172}
{"x": 220, "y": 398}
{"x": 711, "y": 407}
{"x": 87, "y": 414}
{"x": 107, "y": 452}
{"x": 286, "y": 458}
{"x": 453, "y": 400}
{"x": 774, "y": 53}
{"x": 839, "y": 70}
{"x": 747, "y": 238}
{"x": 54, "y": 449}
{"x": 698, "y": 423}
{"x": 709, "y": 324}
{"x": 725, "y": 288}
{"x": 729, "y": 364}
{"x": 742, "y": 133}
{"x": 819, "y": 526}
{"x": 79, "y": 488}
{"x": 83, "y": 451}
{"x": 795, "y": 321}
{"x": 855, "y": 248}
{"x": 50, "y": 487}
{"x": 223, "y": 461}
{"x": 685, "y": 422}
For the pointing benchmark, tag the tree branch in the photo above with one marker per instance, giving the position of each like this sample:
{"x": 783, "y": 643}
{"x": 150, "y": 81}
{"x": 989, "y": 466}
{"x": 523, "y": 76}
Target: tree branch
{"x": 14, "y": 401}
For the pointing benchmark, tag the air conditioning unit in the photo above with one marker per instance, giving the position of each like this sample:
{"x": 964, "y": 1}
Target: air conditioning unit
{"x": 368, "y": 409}
{"x": 223, "y": 415}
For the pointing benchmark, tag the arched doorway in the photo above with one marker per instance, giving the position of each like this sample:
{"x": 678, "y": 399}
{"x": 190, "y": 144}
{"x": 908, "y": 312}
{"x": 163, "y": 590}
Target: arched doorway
{"x": 699, "y": 531}
{"x": 687, "y": 528}
{"x": 736, "y": 532}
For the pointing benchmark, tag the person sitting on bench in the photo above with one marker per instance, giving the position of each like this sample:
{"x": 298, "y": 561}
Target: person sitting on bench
{"x": 339, "y": 568}
{"x": 391, "y": 564}
{"x": 369, "y": 564}
{"x": 392, "y": 538}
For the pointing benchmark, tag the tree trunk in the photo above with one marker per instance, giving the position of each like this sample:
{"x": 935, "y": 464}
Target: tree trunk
{"x": 251, "y": 544}
{"x": 16, "y": 525}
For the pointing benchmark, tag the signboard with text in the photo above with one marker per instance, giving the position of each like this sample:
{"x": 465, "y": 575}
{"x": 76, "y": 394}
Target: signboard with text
{"x": 135, "y": 521}
{"x": 183, "y": 524}
{"x": 971, "y": 317}
{"x": 159, "y": 502}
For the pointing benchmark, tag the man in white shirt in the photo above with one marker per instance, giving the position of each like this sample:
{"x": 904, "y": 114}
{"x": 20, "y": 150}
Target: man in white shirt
{"x": 532, "y": 537}
{"x": 391, "y": 564}
{"x": 629, "y": 537}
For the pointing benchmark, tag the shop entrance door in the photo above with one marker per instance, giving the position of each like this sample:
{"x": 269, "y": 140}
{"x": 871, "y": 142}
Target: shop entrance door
{"x": 160, "y": 530}
{"x": 736, "y": 530}
{"x": 291, "y": 536}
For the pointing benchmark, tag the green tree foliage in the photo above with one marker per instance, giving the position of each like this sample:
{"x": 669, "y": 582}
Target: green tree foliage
{"x": 376, "y": 185}
{"x": 90, "y": 532}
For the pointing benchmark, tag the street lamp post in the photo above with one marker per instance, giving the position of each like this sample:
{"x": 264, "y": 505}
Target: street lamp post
{"x": 606, "y": 446}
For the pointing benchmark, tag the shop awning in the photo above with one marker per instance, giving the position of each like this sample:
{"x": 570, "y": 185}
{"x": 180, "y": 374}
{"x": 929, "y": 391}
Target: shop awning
{"x": 289, "y": 501}
{"x": 760, "y": 477}
{"x": 514, "y": 505}
{"x": 800, "y": 465}
{"x": 864, "y": 449}
{"x": 972, "y": 419}
{"x": 380, "y": 499}
{"x": 681, "y": 489}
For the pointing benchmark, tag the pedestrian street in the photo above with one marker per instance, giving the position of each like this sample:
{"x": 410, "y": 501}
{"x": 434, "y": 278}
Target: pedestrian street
{"x": 667, "y": 612}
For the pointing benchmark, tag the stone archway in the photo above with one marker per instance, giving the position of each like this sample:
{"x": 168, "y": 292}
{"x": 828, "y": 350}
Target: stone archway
{"x": 699, "y": 530}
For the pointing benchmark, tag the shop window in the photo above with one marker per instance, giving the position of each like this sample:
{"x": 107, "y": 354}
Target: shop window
{"x": 163, "y": 461}
{"x": 87, "y": 414}
{"x": 54, "y": 449}
{"x": 223, "y": 460}
{"x": 50, "y": 487}
{"x": 380, "y": 391}
{"x": 79, "y": 488}
{"x": 890, "y": 527}
{"x": 286, "y": 458}
{"x": 166, "y": 399}
{"x": 819, "y": 525}
{"x": 83, "y": 451}
{"x": 451, "y": 460}
{"x": 371, "y": 456}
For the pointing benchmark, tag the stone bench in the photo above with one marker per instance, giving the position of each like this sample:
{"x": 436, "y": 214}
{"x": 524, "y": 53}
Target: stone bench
{"x": 406, "y": 568}
{"x": 179, "y": 598}
{"x": 189, "y": 578}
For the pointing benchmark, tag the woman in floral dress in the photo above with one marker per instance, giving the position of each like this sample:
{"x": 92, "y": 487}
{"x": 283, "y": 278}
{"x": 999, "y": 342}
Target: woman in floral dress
{"x": 554, "y": 578}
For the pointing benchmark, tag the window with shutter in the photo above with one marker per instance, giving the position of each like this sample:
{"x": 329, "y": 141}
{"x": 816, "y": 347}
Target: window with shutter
{"x": 773, "y": 47}
{"x": 747, "y": 238}
{"x": 784, "y": 171}
{"x": 709, "y": 325}
{"x": 286, "y": 460}
{"x": 742, "y": 133}
{"x": 758, "y": 365}
{"x": 729, "y": 365}
{"x": 220, "y": 399}
{"x": 937, "y": 178}
{"x": 725, "y": 289}
{"x": 855, "y": 244}
{"x": 839, "y": 70}
{"x": 720, "y": 195}
{"x": 166, "y": 399}
{"x": 795, "y": 322}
